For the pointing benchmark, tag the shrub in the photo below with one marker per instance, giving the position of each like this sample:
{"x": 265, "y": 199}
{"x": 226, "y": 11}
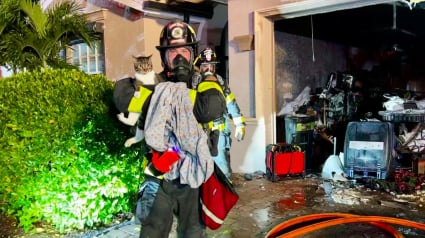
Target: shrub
{"x": 63, "y": 159}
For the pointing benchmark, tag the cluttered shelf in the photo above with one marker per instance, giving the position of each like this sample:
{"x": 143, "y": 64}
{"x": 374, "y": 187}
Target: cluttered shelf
{"x": 405, "y": 115}
{"x": 410, "y": 124}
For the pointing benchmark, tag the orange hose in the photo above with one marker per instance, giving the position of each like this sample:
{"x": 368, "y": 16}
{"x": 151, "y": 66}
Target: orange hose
{"x": 355, "y": 219}
{"x": 338, "y": 221}
{"x": 274, "y": 231}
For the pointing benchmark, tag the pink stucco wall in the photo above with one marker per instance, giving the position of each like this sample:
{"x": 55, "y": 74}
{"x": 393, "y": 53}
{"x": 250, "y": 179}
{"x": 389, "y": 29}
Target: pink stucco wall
{"x": 241, "y": 64}
{"x": 248, "y": 155}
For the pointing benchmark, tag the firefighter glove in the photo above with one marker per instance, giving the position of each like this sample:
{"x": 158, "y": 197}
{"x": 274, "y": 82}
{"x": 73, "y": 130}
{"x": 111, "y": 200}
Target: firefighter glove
{"x": 240, "y": 133}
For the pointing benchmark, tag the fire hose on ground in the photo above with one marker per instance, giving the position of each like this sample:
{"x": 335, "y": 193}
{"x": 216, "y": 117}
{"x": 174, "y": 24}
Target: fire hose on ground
{"x": 309, "y": 223}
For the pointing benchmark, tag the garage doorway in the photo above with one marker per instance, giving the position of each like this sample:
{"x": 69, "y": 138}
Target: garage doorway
{"x": 265, "y": 51}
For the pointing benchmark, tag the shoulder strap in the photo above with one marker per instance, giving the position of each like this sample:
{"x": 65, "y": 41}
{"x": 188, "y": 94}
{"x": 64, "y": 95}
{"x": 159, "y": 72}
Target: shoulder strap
{"x": 207, "y": 85}
{"x": 136, "y": 104}
{"x": 192, "y": 95}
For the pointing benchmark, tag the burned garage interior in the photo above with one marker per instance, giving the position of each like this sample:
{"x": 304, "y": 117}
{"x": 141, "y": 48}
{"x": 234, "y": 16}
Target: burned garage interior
{"x": 353, "y": 82}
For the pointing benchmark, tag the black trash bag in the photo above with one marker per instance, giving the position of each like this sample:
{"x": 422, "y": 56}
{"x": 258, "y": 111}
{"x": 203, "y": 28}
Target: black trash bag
{"x": 123, "y": 93}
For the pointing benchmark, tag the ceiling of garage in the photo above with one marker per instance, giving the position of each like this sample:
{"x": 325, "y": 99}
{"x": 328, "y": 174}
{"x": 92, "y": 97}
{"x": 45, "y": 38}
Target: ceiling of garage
{"x": 373, "y": 26}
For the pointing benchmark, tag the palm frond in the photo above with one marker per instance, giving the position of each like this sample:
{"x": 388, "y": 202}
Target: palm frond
{"x": 9, "y": 12}
{"x": 37, "y": 19}
{"x": 33, "y": 38}
{"x": 71, "y": 26}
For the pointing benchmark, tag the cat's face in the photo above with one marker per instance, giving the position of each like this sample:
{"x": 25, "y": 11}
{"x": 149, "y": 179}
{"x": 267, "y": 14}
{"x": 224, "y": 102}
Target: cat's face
{"x": 143, "y": 64}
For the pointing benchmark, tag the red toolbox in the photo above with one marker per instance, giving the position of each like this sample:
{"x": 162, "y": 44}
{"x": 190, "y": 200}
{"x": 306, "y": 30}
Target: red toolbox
{"x": 284, "y": 159}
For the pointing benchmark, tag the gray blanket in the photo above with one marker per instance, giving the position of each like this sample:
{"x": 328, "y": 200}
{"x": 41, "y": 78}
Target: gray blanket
{"x": 170, "y": 122}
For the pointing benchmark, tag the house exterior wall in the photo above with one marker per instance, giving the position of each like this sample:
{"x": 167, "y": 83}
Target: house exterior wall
{"x": 125, "y": 34}
{"x": 123, "y": 39}
{"x": 153, "y": 30}
{"x": 241, "y": 70}
{"x": 248, "y": 155}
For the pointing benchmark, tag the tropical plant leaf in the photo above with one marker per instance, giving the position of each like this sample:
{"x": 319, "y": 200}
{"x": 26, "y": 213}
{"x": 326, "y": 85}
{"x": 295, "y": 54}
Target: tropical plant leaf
{"x": 33, "y": 38}
{"x": 36, "y": 17}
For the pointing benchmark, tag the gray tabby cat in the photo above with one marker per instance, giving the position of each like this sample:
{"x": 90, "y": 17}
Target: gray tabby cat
{"x": 145, "y": 75}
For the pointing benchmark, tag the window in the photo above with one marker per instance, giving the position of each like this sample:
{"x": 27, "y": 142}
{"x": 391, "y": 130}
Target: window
{"x": 89, "y": 59}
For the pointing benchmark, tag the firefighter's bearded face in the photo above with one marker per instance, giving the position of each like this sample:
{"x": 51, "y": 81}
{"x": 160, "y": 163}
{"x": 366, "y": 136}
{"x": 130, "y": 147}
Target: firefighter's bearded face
{"x": 179, "y": 62}
{"x": 207, "y": 69}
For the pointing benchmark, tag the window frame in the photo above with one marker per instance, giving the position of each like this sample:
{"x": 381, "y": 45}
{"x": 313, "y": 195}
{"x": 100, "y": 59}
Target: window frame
{"x": 93, "y": 56}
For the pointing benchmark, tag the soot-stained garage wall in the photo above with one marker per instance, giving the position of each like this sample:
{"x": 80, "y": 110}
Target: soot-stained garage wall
{"x": 301, "y": 62}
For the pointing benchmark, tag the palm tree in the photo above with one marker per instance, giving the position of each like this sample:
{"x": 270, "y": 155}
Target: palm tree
{"x": 9, "y": 11}
{"x": 31, "y": 38}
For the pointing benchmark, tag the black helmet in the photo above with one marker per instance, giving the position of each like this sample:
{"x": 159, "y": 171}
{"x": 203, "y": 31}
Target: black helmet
{"x": 177, "y": 34}
{"x": 207, "y": 56}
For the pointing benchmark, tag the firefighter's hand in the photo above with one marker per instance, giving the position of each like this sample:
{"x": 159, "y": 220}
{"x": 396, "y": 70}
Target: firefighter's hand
{"x": 240, "y": 133}
{"x": 140, "y": 135}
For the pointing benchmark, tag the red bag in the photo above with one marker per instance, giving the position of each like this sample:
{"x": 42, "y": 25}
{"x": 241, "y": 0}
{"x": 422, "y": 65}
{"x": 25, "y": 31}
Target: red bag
{"x": 283, "y": 160}
{"x": 218, "y": 196}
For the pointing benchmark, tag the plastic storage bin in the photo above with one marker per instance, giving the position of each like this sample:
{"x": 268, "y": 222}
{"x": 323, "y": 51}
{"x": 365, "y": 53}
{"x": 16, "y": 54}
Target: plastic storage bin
{"x": 367, "y": 149}
{"x": 299, "y": 130}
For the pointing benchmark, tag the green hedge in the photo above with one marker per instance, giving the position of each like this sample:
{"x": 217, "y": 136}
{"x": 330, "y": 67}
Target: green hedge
{"x": 62, "y": 157}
